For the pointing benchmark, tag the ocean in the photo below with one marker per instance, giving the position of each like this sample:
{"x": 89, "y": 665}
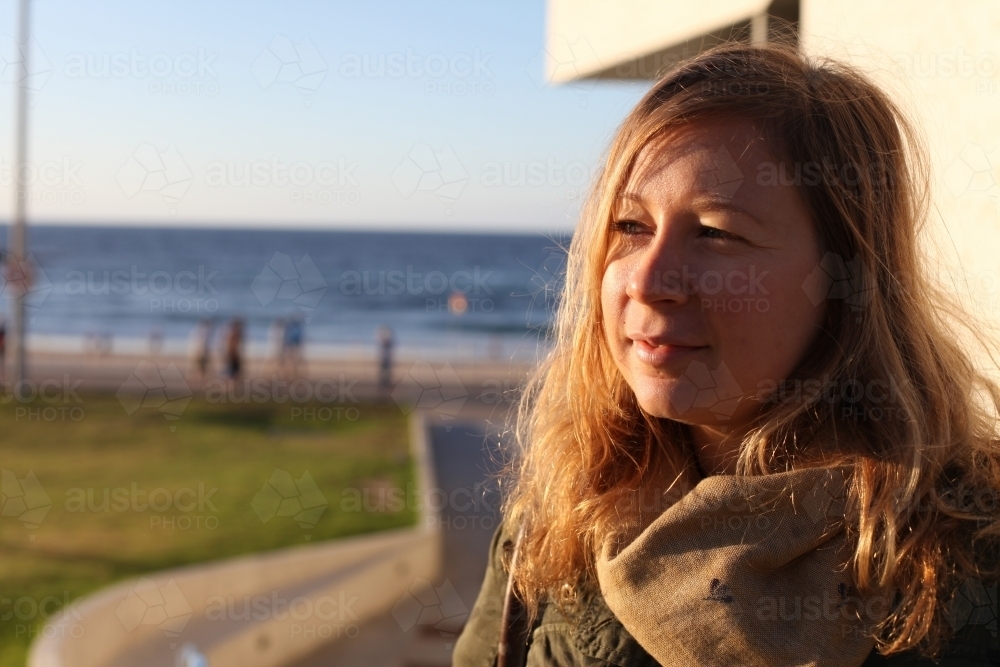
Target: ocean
{"x": 443, "y": 294}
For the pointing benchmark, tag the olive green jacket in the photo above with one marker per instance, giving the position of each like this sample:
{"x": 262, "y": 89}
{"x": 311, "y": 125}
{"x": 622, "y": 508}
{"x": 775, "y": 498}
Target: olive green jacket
{"x": 591, "y": 635}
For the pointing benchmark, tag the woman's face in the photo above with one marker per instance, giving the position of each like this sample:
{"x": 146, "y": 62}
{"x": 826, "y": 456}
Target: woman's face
{"x": 702, "y": 293}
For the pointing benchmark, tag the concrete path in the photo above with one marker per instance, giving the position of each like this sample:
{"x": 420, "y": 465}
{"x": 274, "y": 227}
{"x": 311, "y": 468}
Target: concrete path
{"x": 421, "y": 630}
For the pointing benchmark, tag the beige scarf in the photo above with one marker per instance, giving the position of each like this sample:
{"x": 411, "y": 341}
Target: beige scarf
{"x": 745, "y": 571}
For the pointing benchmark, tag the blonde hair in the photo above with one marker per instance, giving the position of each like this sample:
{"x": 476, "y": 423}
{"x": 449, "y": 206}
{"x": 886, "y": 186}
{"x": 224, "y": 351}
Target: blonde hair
{"x": 584, "y": 444}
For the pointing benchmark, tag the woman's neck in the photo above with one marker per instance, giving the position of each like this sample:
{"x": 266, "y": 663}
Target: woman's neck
{"x": 716, "y": 449}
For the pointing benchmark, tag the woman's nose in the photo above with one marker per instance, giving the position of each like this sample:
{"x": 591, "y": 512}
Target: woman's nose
{"x": 660, "y": 274}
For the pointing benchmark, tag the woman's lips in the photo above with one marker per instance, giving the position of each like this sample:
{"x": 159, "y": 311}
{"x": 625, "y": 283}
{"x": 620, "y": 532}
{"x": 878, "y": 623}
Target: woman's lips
{"x": 662, "y": 355}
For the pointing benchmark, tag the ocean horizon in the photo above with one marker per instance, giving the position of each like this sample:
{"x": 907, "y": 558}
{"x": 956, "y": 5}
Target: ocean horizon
{"x": 467, "y": 294}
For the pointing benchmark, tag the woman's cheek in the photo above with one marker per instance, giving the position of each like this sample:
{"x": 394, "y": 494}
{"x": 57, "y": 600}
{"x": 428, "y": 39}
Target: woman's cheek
{"x": 612, "y": 294}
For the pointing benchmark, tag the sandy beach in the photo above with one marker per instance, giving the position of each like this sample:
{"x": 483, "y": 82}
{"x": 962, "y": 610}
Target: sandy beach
{"x": 53, "y": 377}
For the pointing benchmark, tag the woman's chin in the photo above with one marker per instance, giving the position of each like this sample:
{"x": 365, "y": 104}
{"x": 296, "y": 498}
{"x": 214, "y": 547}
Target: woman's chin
{"x": 666, "y": 400}
{"x": 676, "y": 401}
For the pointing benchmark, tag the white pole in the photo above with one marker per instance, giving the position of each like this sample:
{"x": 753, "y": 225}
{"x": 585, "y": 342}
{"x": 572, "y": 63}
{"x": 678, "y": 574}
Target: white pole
{"x": 17, "y": 242}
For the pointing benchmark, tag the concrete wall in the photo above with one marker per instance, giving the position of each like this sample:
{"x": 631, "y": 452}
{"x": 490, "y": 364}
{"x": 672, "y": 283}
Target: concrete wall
{"x": 941, "y": 60}
{"x": 587, "y": 37}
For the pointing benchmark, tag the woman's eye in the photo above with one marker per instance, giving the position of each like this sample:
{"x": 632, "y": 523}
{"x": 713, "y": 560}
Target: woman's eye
{"x": 628, "y": 227}
{"x": 716, "y": 233}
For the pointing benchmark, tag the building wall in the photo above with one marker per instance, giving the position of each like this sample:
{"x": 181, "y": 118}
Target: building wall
{"x": 587, "y": 37}
{"x": 941, "y": 60}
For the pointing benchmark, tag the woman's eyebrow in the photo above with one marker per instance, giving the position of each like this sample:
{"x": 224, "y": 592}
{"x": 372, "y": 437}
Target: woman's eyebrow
{"x": 627, "y": 202}
{"x": 722, "y": 204}
{"x": 704, "y": 202}
{"x": 630, "y": 196}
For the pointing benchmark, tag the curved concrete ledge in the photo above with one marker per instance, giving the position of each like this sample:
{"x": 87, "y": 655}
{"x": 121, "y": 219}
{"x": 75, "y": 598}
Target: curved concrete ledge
{"x": 252, "y": 611}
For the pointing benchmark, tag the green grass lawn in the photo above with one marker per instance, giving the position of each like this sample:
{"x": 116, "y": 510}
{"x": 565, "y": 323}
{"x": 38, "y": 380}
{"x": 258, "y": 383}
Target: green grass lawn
{"x": 178, "y": 492}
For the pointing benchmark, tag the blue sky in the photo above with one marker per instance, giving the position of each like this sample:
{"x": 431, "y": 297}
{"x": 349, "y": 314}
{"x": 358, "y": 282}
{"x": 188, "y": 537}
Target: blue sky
{"x": 377, "y": 114}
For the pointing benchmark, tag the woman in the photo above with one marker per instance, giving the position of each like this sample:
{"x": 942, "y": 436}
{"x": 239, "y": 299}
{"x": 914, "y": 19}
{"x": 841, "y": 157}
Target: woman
{"x": 756, "y": 440}
{"x": 234, "y": 349}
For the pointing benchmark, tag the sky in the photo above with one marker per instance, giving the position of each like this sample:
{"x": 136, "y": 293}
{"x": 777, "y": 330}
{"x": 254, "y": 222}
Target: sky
{"x": 363, "y": 115}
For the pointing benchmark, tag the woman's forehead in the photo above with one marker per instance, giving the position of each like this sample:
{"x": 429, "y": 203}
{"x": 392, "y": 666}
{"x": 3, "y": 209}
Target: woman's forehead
{"x": 740, "y": 140}
{"x": 714, "y": 156}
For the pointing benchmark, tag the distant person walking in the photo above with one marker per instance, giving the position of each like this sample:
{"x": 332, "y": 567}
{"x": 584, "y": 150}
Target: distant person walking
{"x": 292, "y": 344}
{"x": 201, "y": 349}
{"x": 385, "y": 340}
{"x": 156, "y": 337}
{"x": 276, "y": 344}
{"x": 234, "y": 349}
